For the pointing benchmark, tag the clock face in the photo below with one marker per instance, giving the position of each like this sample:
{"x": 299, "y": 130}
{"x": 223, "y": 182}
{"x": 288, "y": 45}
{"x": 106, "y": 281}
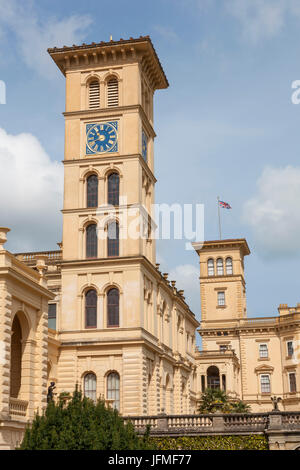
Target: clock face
{"x": 102, "y": 137}
{"x": 144, "y": 146}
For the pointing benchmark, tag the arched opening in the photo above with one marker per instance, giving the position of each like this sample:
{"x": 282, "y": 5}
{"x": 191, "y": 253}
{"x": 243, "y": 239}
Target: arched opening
{"x": 94, "y": 94}
{"x": 220, "y": 267}
{"x": 213, "y": 377}
{"x": 91, "y": 309}
{"x": 112, "y": 92}
{"x": 90, "y": 386}
{"x": 92, "y": 191}
{"x": 229, "y": 269}
{"x": 113, "y": 189}
{"x": 91, "y": 241}
{"x": 113, "y": 298}
{"x": 168, "y": 393}
{"x": 113, "y": 239}
{"x": 210, "y": 267}
{"x": 113, "y": 389}
{"x": 16, "y": 359}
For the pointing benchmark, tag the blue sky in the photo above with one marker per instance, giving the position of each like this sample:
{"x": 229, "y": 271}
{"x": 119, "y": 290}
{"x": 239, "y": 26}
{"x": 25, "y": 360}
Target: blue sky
{"x": 226, "y": 126}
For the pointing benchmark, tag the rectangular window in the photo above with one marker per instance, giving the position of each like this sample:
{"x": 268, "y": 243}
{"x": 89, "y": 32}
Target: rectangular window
{"x": 292, "y": 379}
{"x": 224, "y": 382}
{"x": 221, "y": 299}
{"x": 223, "y": 347}
{"x": 265, "y": 384}
{"x": 52, "y": 316}
{"x": 290, "y": 348}
{"x": 263, "y": 351}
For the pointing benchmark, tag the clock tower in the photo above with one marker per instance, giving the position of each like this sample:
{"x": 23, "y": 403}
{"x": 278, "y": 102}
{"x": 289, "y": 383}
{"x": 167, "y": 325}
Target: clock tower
{"x": 122, "y": 325}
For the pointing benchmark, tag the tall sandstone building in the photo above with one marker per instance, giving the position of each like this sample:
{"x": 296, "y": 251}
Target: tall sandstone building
{"x": 119, "y": 328}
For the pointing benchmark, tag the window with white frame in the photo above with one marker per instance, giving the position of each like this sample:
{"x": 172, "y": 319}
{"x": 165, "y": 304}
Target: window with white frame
{"x": 223, "y": 347}
{"x": 113, "y": 389}
{"x": 290, "y": 348}
{"x": 263, "y": 351}
{"x": 210, "y": 267}
{"x": 292, "y": 382}
{"x": 265, "y": 383}
{"x": 229, "y": 269}
{"x": 221, "y": 298}
{"x": 90, "y": 383}
{"x": 220, "y": 267}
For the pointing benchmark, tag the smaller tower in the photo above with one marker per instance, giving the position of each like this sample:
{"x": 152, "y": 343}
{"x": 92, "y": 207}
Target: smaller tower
{"x": 222, "y": 281}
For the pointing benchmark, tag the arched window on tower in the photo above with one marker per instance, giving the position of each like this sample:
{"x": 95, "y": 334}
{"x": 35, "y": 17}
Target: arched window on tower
{"x": 94, "y": 94}
{"x": 113, "y": 389}
{"x": 91, "y": 241}
{"x": 112, "y": 92}
{"x": 92, "y": 191}
{"x": 90, "y": 386}
{"x": 210, "y": 267}
{"x": 91, "y": 309}
{"x": 113, "y": 239}
{"x": 220, "y": 267}
{"x": 113, "y": 301}
{"x": 229, "y": 266}
{"x": 113, "y": 189}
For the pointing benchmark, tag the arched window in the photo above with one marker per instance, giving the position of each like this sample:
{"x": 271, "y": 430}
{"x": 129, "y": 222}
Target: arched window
{"x": 94, "y": 94}
{"x": 91, "y": 309}
{"x": 92, "y": 191}
{"x": 113, "y": 189}
{"x": 229, "y": 266}
{"x": 113, "y": 307}
{"x": 112, "y": 92}
{"x": 113, "y": 389}
{"x": 16, "y": 359}
{"x": 91, "y": 241}
{"x": 210, "y": 267}
{"x": 220, "y": 268}
{"x": 213, "y": 377}
{"x": 90, "y": 384}
{"x": 113, "y": 239}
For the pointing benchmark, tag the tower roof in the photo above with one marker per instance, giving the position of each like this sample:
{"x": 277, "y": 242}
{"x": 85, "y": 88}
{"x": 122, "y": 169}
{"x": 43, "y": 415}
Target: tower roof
{"x": 141, "y": 49}
{"x": 240, "y": 243}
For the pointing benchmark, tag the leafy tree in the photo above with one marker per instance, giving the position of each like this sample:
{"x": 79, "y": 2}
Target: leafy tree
{"x": 81, "y": 424}
{"x": 216, "y": 400}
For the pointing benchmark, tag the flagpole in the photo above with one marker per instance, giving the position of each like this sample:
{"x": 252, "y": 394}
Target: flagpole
{"x": 219, "y": 216}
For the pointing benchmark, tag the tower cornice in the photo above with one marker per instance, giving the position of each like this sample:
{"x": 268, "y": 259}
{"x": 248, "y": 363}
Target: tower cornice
{"x": 139, "y": 50}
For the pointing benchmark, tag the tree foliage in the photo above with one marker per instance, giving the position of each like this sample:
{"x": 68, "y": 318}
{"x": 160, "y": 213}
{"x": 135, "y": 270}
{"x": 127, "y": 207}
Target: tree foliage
{"x": 81, "y": 424}
{"x": 216, "y": 401}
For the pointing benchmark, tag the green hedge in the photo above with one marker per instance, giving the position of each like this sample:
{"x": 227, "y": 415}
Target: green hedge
{"x": 252, "y": 442}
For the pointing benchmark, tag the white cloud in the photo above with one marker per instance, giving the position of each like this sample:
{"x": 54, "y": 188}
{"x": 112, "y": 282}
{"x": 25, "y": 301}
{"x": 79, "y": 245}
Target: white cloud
{"x": 273, "y": 213}
{"x": 31, "y": 188}
{"x": 33, "y": 36}
{"x": 262, "y": 18}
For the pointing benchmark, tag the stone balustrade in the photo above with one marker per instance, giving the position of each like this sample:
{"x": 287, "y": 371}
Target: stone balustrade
{"x": 216, "y": 423}
{"x": 17, "y": 408}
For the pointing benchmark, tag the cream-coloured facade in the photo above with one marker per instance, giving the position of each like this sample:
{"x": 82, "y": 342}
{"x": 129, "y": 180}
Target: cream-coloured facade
{"x": 251, "y": 358}
{"x": 123, "y": 331}
{"x": 118, "y": 328}
{"x": 23, "y": 343}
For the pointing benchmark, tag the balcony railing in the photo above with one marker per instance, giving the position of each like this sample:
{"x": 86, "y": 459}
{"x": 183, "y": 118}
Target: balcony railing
{"x": 31, "y": 257}
{"x": 17, "y": 408}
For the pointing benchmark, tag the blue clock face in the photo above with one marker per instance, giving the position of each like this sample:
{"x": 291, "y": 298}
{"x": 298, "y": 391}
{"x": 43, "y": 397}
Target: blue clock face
{"x": 102, "y": 138}
{"x": 144, "y": 146}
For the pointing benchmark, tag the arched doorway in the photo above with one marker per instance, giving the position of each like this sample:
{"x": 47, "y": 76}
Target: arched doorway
{"x": 213, "y": 377}
{"x": 16, "y": 359}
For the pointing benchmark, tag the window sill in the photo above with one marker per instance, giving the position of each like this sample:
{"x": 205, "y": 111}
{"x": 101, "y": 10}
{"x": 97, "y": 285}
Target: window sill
{"x": 221, "y": 306}
{"x": 264, "y": 359}
{"x": 289, "y": 357}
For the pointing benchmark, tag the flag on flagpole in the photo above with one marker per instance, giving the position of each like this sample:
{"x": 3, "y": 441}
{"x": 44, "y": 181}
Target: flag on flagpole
{"x": 225, "y": 205}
